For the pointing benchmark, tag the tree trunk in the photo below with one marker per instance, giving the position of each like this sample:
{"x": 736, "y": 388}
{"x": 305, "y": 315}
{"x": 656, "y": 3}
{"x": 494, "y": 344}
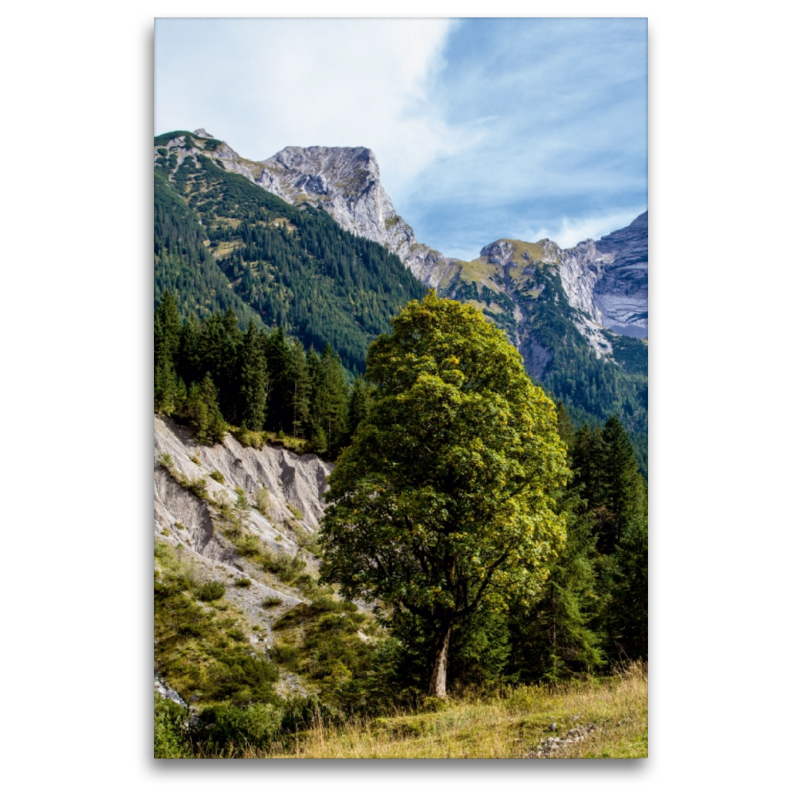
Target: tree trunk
{"x": 438, "y": 684}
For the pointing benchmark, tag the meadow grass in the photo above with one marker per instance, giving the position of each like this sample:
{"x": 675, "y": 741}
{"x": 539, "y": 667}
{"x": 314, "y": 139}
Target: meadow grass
{"x": 507, "y": 725}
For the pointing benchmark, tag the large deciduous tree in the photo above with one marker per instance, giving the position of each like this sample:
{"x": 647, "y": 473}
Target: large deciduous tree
{"x": 444, "y": 506}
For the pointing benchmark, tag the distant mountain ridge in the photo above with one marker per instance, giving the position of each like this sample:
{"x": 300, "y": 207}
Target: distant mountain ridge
{"x": 607, "y": 279}
{"x": 578, "y": 315}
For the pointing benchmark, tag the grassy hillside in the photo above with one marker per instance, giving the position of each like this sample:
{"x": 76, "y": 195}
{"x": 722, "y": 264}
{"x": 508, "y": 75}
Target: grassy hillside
{"x": 601, "y": 718}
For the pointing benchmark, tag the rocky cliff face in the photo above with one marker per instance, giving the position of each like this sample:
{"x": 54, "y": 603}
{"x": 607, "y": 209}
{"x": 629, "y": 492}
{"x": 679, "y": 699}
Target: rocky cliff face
{"x": 604, "y": 281}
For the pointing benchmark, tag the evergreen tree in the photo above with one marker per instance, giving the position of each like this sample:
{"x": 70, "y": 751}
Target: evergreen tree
{"x": 358, "y": 406}
{"x": 627, "y": 611}
{"x": 332, "y": 400}
{"x": 280, "y": 358}
{"x": 301, "y": 390}
{"x": 621, "y": 483}
{"x": 253, "y": 380}
{"x": 203, "y": 411}
{"x": 165, "y": 378}
{"x": 555, "y": 638}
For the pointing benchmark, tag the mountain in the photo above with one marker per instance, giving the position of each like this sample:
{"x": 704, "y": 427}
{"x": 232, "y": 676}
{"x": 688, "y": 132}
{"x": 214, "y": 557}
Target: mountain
{"x": 222, "y": 242}
{"x": 577, "y": 315}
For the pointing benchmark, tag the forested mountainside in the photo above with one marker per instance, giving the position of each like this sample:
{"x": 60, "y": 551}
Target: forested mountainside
{"x": 260, "y": 237}
{"x": 221, "y": 242}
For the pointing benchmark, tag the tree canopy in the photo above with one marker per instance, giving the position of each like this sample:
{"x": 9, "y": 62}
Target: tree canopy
{"x": 444, "y": 505}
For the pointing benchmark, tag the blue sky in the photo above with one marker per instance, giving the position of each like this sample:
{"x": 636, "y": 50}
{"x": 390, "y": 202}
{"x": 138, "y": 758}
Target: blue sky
{"x": 483, "y": 128}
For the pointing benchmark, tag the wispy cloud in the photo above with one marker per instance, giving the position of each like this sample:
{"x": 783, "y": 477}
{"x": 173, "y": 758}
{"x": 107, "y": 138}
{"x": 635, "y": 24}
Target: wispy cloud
{"x": 264, "y": 84}
{"x": 483, "y": 128}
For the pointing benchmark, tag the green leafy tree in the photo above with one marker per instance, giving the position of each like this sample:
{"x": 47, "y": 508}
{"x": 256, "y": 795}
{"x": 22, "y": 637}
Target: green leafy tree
{"x": 444, "y": 506}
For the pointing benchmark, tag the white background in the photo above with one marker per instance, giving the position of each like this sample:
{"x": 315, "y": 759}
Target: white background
{"x": 76, "y": 426}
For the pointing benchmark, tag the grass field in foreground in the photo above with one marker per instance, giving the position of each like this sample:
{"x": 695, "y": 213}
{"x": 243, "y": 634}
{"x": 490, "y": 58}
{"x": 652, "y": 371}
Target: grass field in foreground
{"x": 514, "y": 725}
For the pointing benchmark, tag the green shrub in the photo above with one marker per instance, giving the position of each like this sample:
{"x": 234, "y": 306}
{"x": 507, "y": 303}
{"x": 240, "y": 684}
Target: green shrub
{"x": 271, "y": 601}
{"x": 243, "y": 582}
{"x": 166, "y": 460}
{"x": 170, "y": 738}
{"x": 284, "y": 566}
{"x": 217, "y": 476}
{"x": 211, "y": 590}
{"x": 248, "y": 546}
{"x": 296, "y": 512}
{"x": 263, "y": 502}
{"x": 254, "y": 725}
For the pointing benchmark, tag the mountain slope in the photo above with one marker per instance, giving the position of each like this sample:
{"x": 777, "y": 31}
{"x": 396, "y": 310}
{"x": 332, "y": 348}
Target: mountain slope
{"x": 578, "y": 315}
{"x": 244, "y": 247}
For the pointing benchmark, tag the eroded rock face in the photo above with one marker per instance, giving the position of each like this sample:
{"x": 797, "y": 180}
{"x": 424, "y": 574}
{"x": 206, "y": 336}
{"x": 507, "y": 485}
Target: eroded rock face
{"x": 608, "y": 279}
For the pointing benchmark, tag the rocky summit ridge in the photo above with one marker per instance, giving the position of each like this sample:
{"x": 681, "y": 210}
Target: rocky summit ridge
{"x": 605, "y": 281}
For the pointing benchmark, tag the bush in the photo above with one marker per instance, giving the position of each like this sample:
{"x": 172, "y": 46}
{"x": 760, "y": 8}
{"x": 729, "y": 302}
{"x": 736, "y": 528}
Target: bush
{"x": 169, "y": 729}
{"x": 296, "y": 512}
{"x": 166, "y": 460}
{"x": 243, "y": 582}
{"x": 284, "y": 566}
{"x": 263, "y": 502}
{"x": 217, "y": 476}
{"x": 271, "y": 602}
{"x": 254, "y": 725}
{"x": 211, "y": 590}
{"x": 248, "y": 546}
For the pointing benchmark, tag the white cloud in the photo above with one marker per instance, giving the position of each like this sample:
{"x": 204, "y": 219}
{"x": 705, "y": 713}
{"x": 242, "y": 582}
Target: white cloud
{"x": 571, "y": 231}
{"x": 264, "y": 84}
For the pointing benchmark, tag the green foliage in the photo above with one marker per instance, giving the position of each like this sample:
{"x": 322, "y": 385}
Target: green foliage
{"x": 445, "y": 502}
{"x": 212, "y": 590}
{"x": 199, "y": 652}
{"x": 286, "y": 567}
{"x": 170, "y": 738}
{"x": 243, "y": 582}
{"x": 226, "y": 726}
{"x": 217, "y": 476}
{"x": 263, "y": 501}
{"x": 320, "y": 641}
{"x": 277, "y": 263}
{"x": 241, "y": 509}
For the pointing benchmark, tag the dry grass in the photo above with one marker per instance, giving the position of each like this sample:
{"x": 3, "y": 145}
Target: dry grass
{"x": 510, "y": 726}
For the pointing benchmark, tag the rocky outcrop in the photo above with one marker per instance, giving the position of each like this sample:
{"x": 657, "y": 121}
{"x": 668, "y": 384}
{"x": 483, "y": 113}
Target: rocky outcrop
{"x": 608, "y": 279}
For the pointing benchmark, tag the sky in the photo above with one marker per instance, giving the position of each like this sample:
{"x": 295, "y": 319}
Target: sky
{"x": 483, "y": 128}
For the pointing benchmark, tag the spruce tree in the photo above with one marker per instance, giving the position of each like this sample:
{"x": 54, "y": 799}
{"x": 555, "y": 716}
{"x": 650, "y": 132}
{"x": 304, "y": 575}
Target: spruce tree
{"x": 555, "y": 638}
{"x": 280, "y": 357}
{"x": 253, "y": 381}
{"x": 332, "y": 400}
{"x": 621, "y": 484}
{"x": 301, "y": 389}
